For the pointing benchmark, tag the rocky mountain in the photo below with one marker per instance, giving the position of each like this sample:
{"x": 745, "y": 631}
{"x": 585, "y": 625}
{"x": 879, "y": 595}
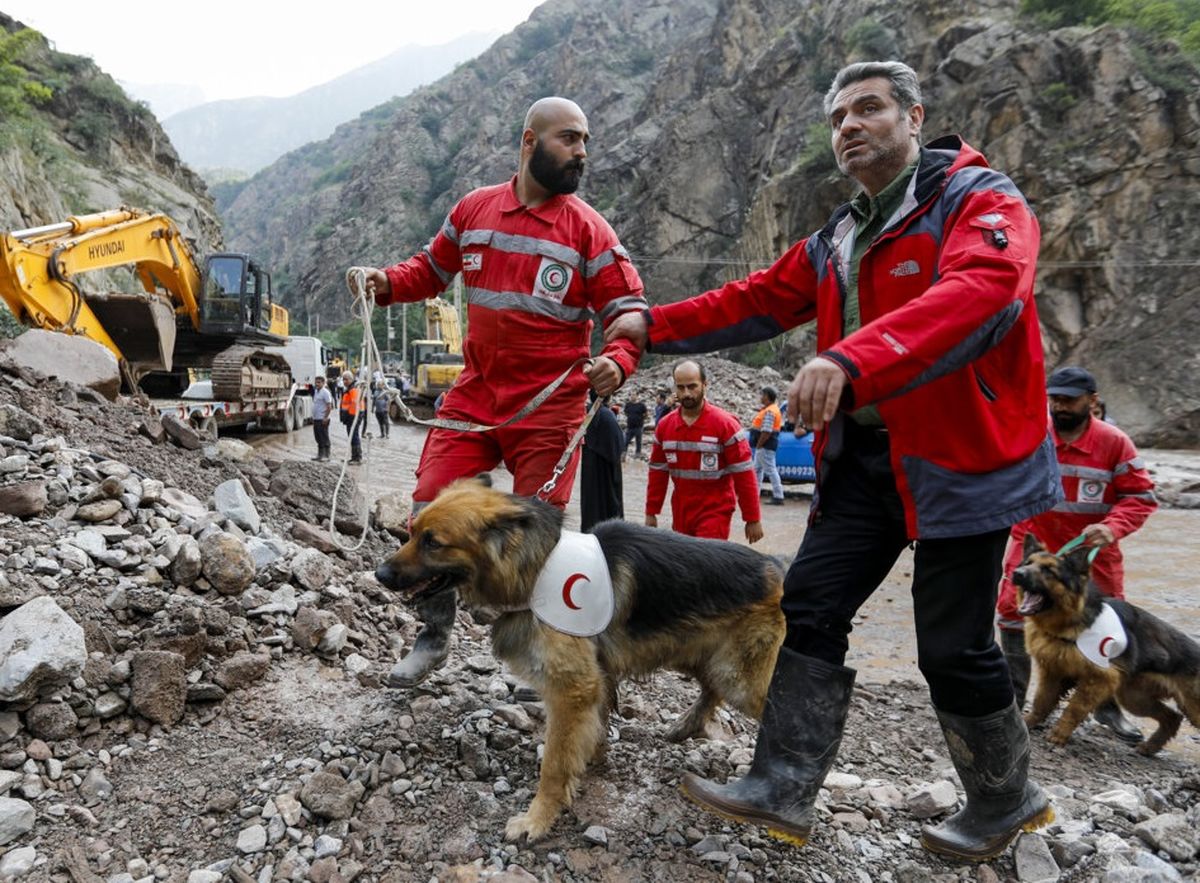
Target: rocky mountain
{"x": 72, "y": 142}
{"x": 248, "y": 133}
{"x": 710, "y": 156}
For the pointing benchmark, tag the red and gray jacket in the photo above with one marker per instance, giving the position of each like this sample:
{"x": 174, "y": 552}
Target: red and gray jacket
{"x": 949, "y": 350}
{"x": 1104, "y": 482}
{"x": 535, "y": 279}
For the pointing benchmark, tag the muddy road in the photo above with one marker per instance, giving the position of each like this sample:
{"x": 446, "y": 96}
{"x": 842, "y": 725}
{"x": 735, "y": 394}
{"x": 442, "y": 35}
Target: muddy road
{"x": 1162, "y": 560}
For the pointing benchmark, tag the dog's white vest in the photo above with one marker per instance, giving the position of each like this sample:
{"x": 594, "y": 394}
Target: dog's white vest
{"x": 1104, "y": 639}
{"x": 574, "y": 593}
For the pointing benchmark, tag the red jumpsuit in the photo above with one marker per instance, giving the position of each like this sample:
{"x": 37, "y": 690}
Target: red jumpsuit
{"x": 710, "y": 463}
{"x": 534, "y": 279}
{"x": 1105, "y": 481}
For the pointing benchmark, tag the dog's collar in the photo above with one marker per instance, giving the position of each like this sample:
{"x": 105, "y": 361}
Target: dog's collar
{"x": 1105, "y": 639}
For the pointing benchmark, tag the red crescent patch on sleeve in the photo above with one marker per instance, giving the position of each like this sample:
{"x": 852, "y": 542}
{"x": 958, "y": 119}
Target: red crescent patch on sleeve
{"x": 1104, "y": 642}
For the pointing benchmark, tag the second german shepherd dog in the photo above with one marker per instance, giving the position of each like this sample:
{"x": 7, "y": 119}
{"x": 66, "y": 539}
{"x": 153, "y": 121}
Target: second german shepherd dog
{"x": 706, "y": 608}
{"x": 1059, "y": 601}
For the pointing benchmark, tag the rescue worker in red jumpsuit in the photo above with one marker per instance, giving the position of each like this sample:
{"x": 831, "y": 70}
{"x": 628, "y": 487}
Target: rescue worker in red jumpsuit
{"x": 1108, "y": 495}
{"x": 703, "y": 449}
{"x": 538, "y": 265}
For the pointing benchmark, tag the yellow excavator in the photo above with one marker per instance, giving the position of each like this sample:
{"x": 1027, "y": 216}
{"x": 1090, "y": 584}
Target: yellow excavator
{"x": 217, "y": 315}
{"x": 437, "y": 360}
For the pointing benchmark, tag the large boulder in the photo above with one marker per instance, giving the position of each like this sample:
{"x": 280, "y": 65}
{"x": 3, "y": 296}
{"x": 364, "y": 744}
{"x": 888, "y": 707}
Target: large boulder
{"x": 40, "y": 647}
{"x": 226, "y": 563}
{"x": 16, "y": 818}
{"x": 232, "y": 501}
{"x": 68, "y": 357}
{"x": 24, "y": 500}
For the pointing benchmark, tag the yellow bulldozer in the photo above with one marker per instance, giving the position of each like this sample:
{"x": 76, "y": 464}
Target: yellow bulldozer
{"x": 217, "y": 314}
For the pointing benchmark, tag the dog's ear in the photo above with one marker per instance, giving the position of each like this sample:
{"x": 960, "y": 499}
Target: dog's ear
{"x": 504, "y": 531}
{"x": 1032, "y": 544}
{"x": 1077, "y": 560}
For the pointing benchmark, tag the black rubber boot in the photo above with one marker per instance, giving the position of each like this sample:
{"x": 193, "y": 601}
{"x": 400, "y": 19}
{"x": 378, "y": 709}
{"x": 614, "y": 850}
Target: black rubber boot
{"x": 432, "y": 645}
{"x": 1110, "y": 715}
{"x": 1020, "y": 666}
{"x": 991, "y": 754}
{"x": 797, "y": 742}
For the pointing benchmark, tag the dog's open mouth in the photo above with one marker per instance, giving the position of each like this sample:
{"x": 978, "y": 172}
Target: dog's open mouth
{"x": 1032, "y": 603}
{"x": 427, "y": 588}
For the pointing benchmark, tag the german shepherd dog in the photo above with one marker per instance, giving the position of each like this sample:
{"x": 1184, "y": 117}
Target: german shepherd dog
{"x": 706, "y": 608}
{"x": 1059, "y": 601}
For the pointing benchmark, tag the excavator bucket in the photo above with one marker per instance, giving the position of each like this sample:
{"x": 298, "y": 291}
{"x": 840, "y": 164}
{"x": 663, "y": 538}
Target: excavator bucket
{"x": 142, "y": 325}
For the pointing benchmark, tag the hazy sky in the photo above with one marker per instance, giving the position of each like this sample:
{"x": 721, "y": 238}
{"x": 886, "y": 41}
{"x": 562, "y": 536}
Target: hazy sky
{"x": 239, "y": 49}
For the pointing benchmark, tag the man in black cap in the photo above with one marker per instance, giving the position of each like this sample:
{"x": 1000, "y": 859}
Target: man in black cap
{"x": 1108, "y": 495}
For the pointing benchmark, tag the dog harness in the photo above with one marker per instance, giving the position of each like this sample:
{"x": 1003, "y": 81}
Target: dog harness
{"x": 573, "y": 593}
{"x": 1104, "y": 639}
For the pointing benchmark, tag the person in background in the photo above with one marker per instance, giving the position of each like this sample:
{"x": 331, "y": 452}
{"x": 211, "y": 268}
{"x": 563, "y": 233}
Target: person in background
{"x": 322, "y": 410}
{"x": 764, "y": 442}
{"x": 383, "y": 401}
{"x": 662, "y": 407}
{"x": 703, "y": 451}
{"x": 927, "y": 397}
{"x": 352, "y": 413}
{"x": 635, "y": 421}
{"x": 1108, "y": 495}
{"x": 601, "y": 489}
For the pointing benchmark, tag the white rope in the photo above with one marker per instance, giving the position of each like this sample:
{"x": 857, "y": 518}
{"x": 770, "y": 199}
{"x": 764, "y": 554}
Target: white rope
{"x": 370, "y": 361}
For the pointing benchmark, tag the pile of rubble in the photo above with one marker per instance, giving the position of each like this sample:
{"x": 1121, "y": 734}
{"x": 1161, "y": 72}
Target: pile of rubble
{"x": 190, "y": 670}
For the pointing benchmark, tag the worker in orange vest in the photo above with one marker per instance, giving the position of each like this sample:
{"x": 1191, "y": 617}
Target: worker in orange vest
{"x": 352, "y": 415}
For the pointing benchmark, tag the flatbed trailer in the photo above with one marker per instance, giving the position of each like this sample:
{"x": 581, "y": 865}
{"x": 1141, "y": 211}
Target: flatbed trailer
{"x": 282, "y": 413}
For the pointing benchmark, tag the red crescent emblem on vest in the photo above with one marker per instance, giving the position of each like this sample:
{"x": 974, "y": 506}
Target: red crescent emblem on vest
{"x": 568, "y": 585}
{"x": 1104, "y": 642}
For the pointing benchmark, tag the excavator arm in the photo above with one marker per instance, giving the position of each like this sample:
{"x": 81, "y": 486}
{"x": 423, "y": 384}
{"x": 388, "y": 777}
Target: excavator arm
{"x": 39, "y": 270}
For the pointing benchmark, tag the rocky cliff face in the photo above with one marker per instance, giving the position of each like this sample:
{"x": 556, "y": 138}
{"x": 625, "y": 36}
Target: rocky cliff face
{"x": 710, "y": 157}
{"x": 89, "y": 148}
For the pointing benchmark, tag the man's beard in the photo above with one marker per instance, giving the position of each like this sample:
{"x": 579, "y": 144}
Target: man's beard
{"x": 555, "y": 178}
{"x": 691, "y": 404}
{"x": 1065, "y": 421}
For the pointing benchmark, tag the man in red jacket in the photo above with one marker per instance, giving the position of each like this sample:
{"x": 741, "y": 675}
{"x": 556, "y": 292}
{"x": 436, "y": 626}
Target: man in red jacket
{"x": 703, "y": 450}
{"x": 1108, "y": 495}
{"x": 538, "y": 265}
{"x": 928, "y": 401}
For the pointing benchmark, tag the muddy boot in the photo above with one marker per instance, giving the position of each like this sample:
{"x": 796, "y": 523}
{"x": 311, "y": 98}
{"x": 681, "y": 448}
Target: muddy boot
{"x": 1020, "y": 666}
{"x": 991, "y": 754}
{"x": 797, "y": 743}
{"x": 1110, "y": 715}
{"x": 433, "y": 641}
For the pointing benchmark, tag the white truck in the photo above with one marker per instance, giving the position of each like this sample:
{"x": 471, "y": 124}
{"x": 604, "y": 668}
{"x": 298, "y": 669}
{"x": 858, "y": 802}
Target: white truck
{"x": 307, "y": 357}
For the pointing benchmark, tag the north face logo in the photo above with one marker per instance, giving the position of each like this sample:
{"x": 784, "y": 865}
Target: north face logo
{"x": 906, "y": 268}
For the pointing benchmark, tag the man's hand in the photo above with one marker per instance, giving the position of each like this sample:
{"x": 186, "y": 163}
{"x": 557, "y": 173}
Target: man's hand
{"x": 816, "y": 392}
{"x": 754, "y": 531}
{"x": 631, "y": 325}
{"x": 1098, "y": 535}
{"x": 605, "y": 375}
{"x": 651, "y": 521}
{"x": 377, "y": 283}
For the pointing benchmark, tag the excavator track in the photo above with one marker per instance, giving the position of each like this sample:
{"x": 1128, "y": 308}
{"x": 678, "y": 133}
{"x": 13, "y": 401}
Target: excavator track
{"x": 244, "y": 372}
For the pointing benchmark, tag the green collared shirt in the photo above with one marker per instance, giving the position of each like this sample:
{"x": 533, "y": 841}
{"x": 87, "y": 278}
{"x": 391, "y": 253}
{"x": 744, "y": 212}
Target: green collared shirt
{"x": 870, "y": 213}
